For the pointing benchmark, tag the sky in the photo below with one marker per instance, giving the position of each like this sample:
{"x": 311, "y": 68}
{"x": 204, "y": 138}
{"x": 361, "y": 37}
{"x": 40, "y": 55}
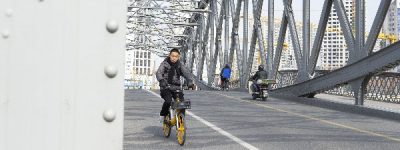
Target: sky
{"x": 371, "y": 7}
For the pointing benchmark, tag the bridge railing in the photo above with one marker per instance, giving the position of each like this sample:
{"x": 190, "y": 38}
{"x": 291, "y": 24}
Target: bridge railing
{"x": 285, "y": 78}
{"x": 233, "y": 84}
{"x": 382, "y": 87}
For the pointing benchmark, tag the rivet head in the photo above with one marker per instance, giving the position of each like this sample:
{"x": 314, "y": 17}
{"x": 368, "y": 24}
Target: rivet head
{"x": 109, "y": 115}
{"x": 5, "y": 34}
{"x": 111, "y": 71}
{"x": 112, "y": 26}
{"x": 9, "y": 12}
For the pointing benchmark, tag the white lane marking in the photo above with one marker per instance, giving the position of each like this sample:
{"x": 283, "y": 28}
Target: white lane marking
{"x": 214, "y": 127}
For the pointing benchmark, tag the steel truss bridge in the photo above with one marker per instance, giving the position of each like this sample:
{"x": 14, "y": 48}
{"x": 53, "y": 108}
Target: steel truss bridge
{"x": 207, "y": 33}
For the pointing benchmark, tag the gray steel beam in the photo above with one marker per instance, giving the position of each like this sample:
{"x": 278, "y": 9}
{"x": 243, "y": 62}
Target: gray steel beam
{"x": 195, "y": 16}
{"x": 261, "y": 45}
{"x": 377, "y": 25}
{"x": 195, "y": 49}
{"x": 226, "y": 47}
{"x": 256, "y": 13}
{"x": 191, "y": 46}
{"x": 221, "y": 51}
{"x": 271, "y": 29}
{"x": 357, "y": 86}
{"x": 249, "y": 64}
{"x": 218, "y": 46}
{"x": 212, "y": 39}
{"x": 257, "y": 25}
{"x": 326, "y": 9}
{"x": 306, "y": 34}
{"x": 346, "y": 28}
{"x": 235, "y": 39}
{"x": 188, "y": 30}
{"x": 245, "y": 42}
{"x": 302, "y": 75}
{"x": 184, "y": 52}
{"x": 233, "y": 48}
{"x": 360, "y": 28}
{"x": 370, "y": 65}
{"x": 202, "y": 49}
{"x": 279, "y": 46}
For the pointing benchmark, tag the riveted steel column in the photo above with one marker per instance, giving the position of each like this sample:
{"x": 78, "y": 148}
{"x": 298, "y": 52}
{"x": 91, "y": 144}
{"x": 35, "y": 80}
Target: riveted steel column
{"x": 62, "y": 88}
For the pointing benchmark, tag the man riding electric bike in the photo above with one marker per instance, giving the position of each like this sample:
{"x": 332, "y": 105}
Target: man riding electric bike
{"x": 259, "y": 87}
{"x": 168, "y": 74}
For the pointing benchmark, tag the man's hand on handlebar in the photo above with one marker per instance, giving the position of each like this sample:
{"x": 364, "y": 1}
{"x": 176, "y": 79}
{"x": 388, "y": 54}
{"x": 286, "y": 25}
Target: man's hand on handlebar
{"x": 163, "y": 83}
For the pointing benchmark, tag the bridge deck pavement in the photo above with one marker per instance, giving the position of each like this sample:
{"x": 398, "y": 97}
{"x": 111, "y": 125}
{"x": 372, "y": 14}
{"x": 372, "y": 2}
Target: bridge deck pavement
{"x": 273, "y": 124}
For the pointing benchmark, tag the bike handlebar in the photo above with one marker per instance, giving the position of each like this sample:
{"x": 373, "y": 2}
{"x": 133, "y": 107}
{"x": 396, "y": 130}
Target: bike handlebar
{"x": 173, "y": 87}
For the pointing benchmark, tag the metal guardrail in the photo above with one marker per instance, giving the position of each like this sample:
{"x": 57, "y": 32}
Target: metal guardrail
{"x": 288, "y": 77}
{"x": 385, "y": 59}
{"x": 382, "y": 87}
{"x": 233, "y": 84}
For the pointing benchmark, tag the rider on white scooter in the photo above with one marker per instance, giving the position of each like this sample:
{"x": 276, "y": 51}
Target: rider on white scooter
{"x": 260, "y": 74}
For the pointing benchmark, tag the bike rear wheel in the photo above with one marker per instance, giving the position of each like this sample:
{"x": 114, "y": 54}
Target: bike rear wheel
{"x": 166, "y": 126}
{"x": 263, "y": 98}
{"x": 181, "y": 131}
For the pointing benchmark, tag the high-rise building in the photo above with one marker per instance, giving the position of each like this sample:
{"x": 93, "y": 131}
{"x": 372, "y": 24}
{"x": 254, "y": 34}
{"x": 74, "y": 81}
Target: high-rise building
{"x": 140, "y": 67}
{"x": 334, "y": 53}
{"x": 391, "y": 27}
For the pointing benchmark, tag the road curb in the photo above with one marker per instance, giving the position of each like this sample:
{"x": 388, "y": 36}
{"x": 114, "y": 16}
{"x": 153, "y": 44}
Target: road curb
{"x": 356, "y": 109}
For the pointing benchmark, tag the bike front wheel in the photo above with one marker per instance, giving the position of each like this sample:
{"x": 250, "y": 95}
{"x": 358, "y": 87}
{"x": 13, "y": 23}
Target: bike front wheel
{"x": 181, "y": 129}
{"x": 167, "y": 126}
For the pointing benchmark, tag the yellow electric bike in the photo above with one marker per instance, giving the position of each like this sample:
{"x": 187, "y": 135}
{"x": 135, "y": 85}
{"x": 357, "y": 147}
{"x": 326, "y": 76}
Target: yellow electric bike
{"x": 176, "y": 117}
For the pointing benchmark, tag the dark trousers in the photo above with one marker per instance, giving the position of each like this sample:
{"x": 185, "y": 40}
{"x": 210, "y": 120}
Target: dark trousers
{"x": 168, "y": 96}
{"x": 254, "y": 87}
{"x": 223, "y": 81}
